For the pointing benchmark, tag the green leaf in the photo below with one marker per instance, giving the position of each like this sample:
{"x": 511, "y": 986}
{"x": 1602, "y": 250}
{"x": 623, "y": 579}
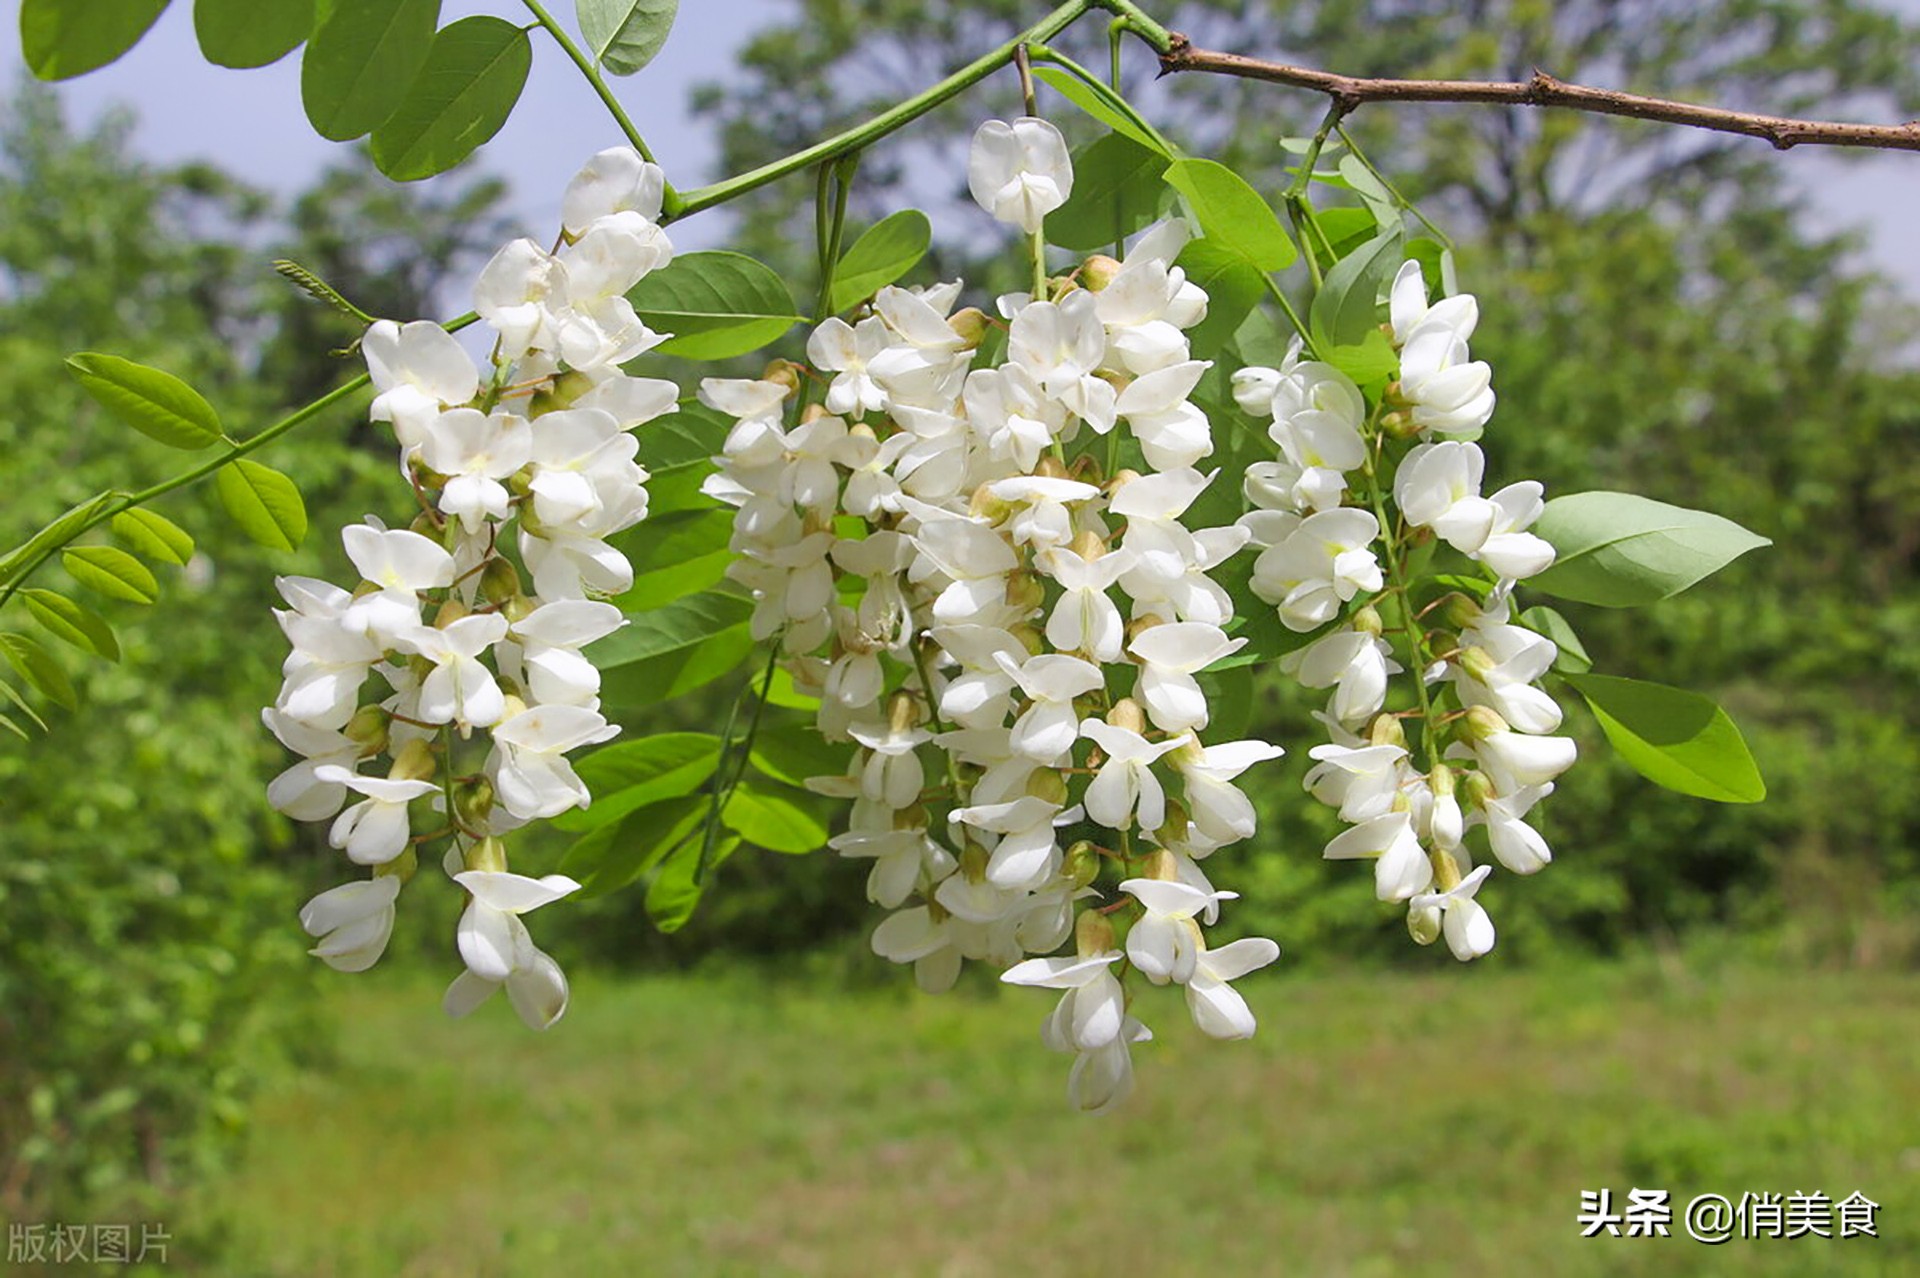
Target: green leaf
{"x": 1346, "y": 229}
{"x": 63, "y": 529}
{"x": 716, "y": 304}
{"x": 624, "y": 35}
{"x": 361, "y": 61}
{"x": 789, "y": 823}
{"x": 1677, "y": 739}
{"x": 1346, "y": 308}
{"x": 251, "y": 33}
{"x": 1233, "y": 287}
{"x": 1117, "y": 188}
{"x": 1379, "y": 200}
{"x": 63, "y": 38}
{"x": 154, "y": 403}
{"x": 633, "y": 774}
{"x": 264, "y": 502}
{"x": 1373, "y": 359}
{"x": 1619, "y": 551}
{"x": 796, "y": 752}
{"x": 1232, "y": 214}
{"x": 675, "y": 649}
{"x": 886, "y": 251}
{"x": 13, "y": 727}
{"x": 110, "y": 571}
{"x": 1101, "y": 103}
{"x": 611, "y": 857}
{"x": 675, "y": 555}
{"x": 1573, "y": 658}
{"x": 679, "y": 625}
{"x": 74, "y": 623}
{"x": 1436, "y": 264}
{"x": 473, "y": 76}
{"x": 676, "y": 890}
{"x": 153, "y": 535}
{"x": 680, "y": 671}
{"x": 37, "y": 666}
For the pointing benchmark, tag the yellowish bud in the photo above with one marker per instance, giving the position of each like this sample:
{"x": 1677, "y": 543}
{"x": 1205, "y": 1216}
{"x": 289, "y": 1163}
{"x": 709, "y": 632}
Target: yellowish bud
{"x": 1092, "y": 934}
{"x": 1097, "y": 272}
{"x": 488, "y": 855}
{"x": 1126, "y": 713}
{"x": 415, "y": 762}
{"x": 971, "y": 325}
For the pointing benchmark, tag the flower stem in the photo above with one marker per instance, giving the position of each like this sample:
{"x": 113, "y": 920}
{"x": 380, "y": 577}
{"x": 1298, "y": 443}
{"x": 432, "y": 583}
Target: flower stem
{"x": 599, "y": 83}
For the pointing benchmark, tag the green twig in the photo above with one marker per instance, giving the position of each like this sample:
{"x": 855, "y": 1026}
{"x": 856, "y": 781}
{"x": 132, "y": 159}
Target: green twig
{"x": 599, "y": 83}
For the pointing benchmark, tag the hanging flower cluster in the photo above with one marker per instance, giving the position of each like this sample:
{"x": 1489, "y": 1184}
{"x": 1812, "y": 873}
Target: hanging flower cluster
{"x": 982, "y": 569}
{"x": 388, "y": 682}
{"x": 1323, "y": 524}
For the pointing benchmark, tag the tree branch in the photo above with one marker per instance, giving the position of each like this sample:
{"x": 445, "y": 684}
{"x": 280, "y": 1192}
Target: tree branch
{"x": 1542, "y": 90}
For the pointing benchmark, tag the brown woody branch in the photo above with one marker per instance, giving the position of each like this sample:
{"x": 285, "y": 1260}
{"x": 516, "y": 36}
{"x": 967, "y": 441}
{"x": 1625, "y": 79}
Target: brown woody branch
{"x": 1542, "y": 90}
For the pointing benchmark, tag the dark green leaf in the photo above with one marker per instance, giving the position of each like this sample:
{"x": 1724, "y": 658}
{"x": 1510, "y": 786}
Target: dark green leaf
{"x": 624, "y": 35}
{"x": 675, "y": 555}
{"x": 633, "y": 774}
{"x": 251, "y": 33}
{"x": 679, "y": 625}
{"x": 1117, "y": 189}
{"x": 1620, "y": 551}
{"x": 75, "y": 623}
{"x": 25, "y": 707}
{"x": 152, "y": 402}
{"x": 1232, "y": 214}
{"x": 716, "y": 304}
{"x": 65, "y": 38}
{"x": 1345, "y": 309}
{"x": 1680, "y": 740}
{"x": 886, "y": 251}
{"x": 796, "y": 752}
{"x": 361, "y": 61}
{"x": 264, "y": 502}
{"x": 153, "y": 535}
{"x": 112, "y": 572}
{"x": 464, "y": 93}
{"x": 37, "y": 666}
{"x": 613, "y": 856}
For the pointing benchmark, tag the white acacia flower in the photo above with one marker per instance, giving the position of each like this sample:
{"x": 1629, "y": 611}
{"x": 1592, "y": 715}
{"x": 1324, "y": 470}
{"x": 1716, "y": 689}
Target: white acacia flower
{"x": 1464, "y": 921}
{"x": 1027, "y": 854}
{"x": 402, "y": 564}
{"x": 1019, "y": 172}
{"x": 460, "y": 689}
{"x": 549, "y": 640}
{"x": 901, "y": 859}
{"x": 1401, "y": 867}
{"x": 616, "y": 180}
{"x": 1324, "y": 561}
{"x": 529, "y": 766}
{"x": 492, "y": 939}
{"x": 418, "y": 369}
{"x": 1221, "y": 810}
{"x": 1164, "y": 942}
{"x": 1171, "y": 655}
{"x": 374, "y": 830}
{"x": 1091, "y": 1012}
{"x": 1360, "y": 780}
{"x": 1048, "y": 727}
{"x": 1515, "y": 844}
{"x": 475, "y": 451}
{"x": 330, "y": 659}
{"x": 1125, "y": 784}
{"x": 1085, "y": 619}
{"x": 300, "y": 792}
{"x": 1354, "y": 663}
{"x": 1219, "y": 1010}
{"x": 352, "y": 922}
{"x": 914, "y": 936}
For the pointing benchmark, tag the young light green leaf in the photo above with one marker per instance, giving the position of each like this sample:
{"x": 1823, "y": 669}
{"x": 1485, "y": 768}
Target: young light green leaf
{"x": 153, "y": 535}
{"x": 62, "y": 39}
{"x": 152, "y": 402}
{"x": 614, "y": 855}
{"x": 1372, "y": 359}
{"x": 633, "y": 774}
{"x": 1232, "y": 214}
{"x": 37, "y": 666}
{"x": 675, "y": 554}
{"x": 625, "y": 35}
{"x": 778, "y": 822}
{"x": 264, "y": 502}
{"x": 112, "y": 572}
{"x": 1100, "y": 103}
{"x": 1233, "y": 286}
{"x": 25, "y": 707}
{"x": 886, "y": 251}
{"x": 72, "y": 622}
{"x": 1345, "y": 309}
{"x": 1573, "y": 658}
{"x": 361, "y": 61}
{"x": 678, "y": 625}
{"x": 63, "y": 529}
{"x": 1619, "y": 550}
{"x": 1118, "y": 187}
{"x": 716, "y": 304}
{"x": 251, "y": 33}
{"x": 473, "y": 76}
{"x": 13, "y": 727}
{"x": 677, "y": 887}
{"x": 1677, "y": 739}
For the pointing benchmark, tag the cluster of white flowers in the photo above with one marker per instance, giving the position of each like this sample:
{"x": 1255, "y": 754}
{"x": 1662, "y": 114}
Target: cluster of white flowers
{"x": 540, "y": 444}
{"x": 937, "y": 547}
{"x": 1319, "y": 521}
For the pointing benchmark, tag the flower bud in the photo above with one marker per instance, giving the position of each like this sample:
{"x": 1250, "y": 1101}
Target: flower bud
{"x": 1461, "y": 611}
{"x": 1367, "y": 621}
{"x": 499, "y": 581}
{"x": 1029, "y": 638}
{"x": 1097, "y": 272}
{"x": 813, "y": 413}
{"x": 450, "y": 611}
{"x": 368, "y": 728}
{"x": 903, "y": 711}
{"x": 1081, "y": 865}
{"x": 559, "y": 393}
{"x": 1088, "y": 544}
{"x": 1126, "y": 713}
{"x": 1476, "y": 788}
{"x": 1092, "y": 934}
{"x": 415, "y": 762}
{"x": 517, "y": 609}
{"x": 1476, "y": 662}
{"x": 488, "y": 855}
{"x": 1160, "y": 865}
{"x": 1121, "y": 478}
{"x": 973, "y": 862}
{"x": 1049, "y": 467}
{"x": 1024, "y": 591}
{"x": 515, "y": 705}
{"x": 1048, "y": 785}
{"x": 401, "y": 867}
{"x": 1483, "y": 722}
{"x": 1173, "y": 830}
{"x": 782, "y": 372}
{"x": 1386, "y": 730}
{"x": 445, "y": 534}
{"x": 1446, "y": 870}
{"x": 984, "y": 505}
{"x": 1423, "y": 924}
{"x": 970, "y": 325}
{"x": 1399, "y": 425}
{"x": 1135, "y": 628}
{"x": 472, "y": 801}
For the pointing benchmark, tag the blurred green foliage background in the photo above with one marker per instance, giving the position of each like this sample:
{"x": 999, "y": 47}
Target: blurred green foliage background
{"x": 1658, "y": 317}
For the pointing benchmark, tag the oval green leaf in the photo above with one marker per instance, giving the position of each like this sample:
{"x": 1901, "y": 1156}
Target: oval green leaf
{"x": 716, "y": 304}
{"x": 777, "y": 822}
{"x": 37, "y": 666}
{"x": 62, "y": 39}
{"x": 361, "y": 61}
{"x": 112, "y": 572}
{"x": 1620, "y": 551}
{"x": 1674, "y": 738}
{"x": 1102, "y": 104}
{"x": 73, "y": 623}
{"x": 473, "y": 76}
{"x": 153, "y": 535}
{"x": 677, "y": 888}
{"x": 1573, "y": 658}
{"x": 155, "y": 403}
{"x": 1346, "y": 308}
{"x": 624, "y": 35}
{"x": 634, "y": 774}
{"x": 251, "y": 33}
{"x": 68, "y": 526}
{"x": 1118, "y": 185}
{"x": 1232, "y": 214}
{"x": 614, "y": 855}
{"x": 264, "y": 502}
{"x": 886, "y": 251}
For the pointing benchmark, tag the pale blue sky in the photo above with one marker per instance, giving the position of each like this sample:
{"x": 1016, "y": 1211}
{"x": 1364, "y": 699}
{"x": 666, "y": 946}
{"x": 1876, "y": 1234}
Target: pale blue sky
{"x": 250, "y": 122}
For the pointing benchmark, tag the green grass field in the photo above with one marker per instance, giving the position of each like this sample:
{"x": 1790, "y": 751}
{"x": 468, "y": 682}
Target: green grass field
{"x": 1379, "y": 1124}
